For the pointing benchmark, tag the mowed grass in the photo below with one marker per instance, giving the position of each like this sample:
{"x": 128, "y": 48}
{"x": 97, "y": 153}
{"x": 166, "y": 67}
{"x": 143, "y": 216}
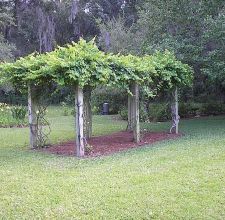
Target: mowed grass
{"x": 176, "y": 179}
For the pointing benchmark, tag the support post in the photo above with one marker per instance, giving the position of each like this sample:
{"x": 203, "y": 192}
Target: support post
{"x": 130, "y": 121}
{"x": 32, "y": 116}
{"x": 135, "y": 112}
{"x": 175, "y": 113}
{"x": 87, "y": 113}
{"x": 79, "y": 105}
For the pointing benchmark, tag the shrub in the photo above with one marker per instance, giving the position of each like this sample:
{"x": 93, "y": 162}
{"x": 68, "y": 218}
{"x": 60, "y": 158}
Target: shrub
{"x": 73, "y": 112}
{"x": 19, "y": 112}
{"x": 96, "y": 110}
{"x": 124, "y": 113}
{"x": 66, "y": 108}
{"x": 12, "y": 115}
{"x": 162, "y": 112}
{"x": 5, "y": 114}
{"x": 13, "y": 97}
{"x": 143, "y": 115}
{"x": 212, "y": 108}
{"x": 159, "y": 112}
{"x": 187, "y": 110}
{"x": 116, "y": 98}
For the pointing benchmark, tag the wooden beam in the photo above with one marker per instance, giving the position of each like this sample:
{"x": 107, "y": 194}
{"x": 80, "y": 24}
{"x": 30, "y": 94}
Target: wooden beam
{"x": 135, "y": 112}
{"x": 79, "y": 105}
{"x": 32, "y": 116}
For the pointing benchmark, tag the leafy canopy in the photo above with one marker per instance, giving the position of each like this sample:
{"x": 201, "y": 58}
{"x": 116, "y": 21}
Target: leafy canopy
{"x": 84, "y": 64}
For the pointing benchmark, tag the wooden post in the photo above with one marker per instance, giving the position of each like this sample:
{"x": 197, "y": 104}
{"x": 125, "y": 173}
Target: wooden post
{"x": 175, "y": 113}
{"x": 87, "y": 113}
{"x": 32, "y": 115}
{"x": 130, "y": 122}
{"x": 135, "y": 112}
{"x": 79, "y": 105}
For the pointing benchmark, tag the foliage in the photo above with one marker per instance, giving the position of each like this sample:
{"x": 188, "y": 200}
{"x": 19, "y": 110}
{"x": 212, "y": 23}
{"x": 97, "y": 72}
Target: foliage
{"x": 212, "y": 108}
{"x": 159, "y": 112}
{"x": 214, "y": 38}
{"x": 143, "y": 114}
{"x": 67, "y": 110}
{"x": 41, "y": 25}
{"x": 115, "y": 97}
{"x": 19, "y": 112}
{"x": 116, "y": 37}
{"x": 124, "y": 113}
{"x": 189, "y": 109}
{"x": 84, "y": 64}
{"x": 13, "y": 97}
{"x": 6, "y": 49}
{"x": 12, "y": 116}
{"x": 193, "y": 30}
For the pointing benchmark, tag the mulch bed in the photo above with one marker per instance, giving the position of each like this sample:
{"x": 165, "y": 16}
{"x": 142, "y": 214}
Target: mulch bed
{"x": 109, "y": 144}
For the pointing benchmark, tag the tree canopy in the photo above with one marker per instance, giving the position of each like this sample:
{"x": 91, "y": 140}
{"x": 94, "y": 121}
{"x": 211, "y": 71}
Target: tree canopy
{"x": 192, "y": 30}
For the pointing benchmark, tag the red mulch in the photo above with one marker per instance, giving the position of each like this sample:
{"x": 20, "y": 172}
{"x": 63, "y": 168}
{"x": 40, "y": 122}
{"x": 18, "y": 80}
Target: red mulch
{"x": 109, "y": 144}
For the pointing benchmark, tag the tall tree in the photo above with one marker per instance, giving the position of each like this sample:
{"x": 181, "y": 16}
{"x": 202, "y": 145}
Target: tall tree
{"x": 214, "y": 53}
{"x": 6, "y": 49}
{"x": 182, "y": 26}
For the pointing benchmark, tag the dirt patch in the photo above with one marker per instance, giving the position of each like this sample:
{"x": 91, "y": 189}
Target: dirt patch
{"x": 109, "y": 144}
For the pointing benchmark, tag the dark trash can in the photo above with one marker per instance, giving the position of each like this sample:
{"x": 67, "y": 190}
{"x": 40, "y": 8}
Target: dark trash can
{"x": 105, "y": 108}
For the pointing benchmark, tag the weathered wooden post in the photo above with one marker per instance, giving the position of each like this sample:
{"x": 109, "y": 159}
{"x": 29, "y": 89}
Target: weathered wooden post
{"x": 130, "y": 121}
{"x": 135, "y": 112}
{"x": 79, "y": 105}
{"x": 32, "y": 115}
{"x": 87, "y": 113}
{"x": 175, "y": 113}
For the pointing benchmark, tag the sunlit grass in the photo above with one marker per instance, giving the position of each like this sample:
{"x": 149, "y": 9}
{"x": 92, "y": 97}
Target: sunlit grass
{"x": 176, "y": 179}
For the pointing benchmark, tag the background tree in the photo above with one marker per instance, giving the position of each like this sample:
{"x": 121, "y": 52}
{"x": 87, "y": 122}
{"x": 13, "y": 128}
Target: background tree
{"x": 43, "y": 24}
{"x": 6, "y": 49}
{"x": 214, "y": 53}
{"x": 192, "y": 29}
{"x": 188, "y": 28}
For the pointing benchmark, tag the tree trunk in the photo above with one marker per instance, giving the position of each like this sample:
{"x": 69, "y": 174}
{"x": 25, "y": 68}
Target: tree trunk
{"x": 32, "y": 114}
{"x": 87, "y": 113}
{"x": 79, "y": 105}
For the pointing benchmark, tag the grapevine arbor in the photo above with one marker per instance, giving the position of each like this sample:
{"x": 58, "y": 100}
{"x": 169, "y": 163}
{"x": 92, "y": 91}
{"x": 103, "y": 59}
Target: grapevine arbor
{"x": 83, "y": 66}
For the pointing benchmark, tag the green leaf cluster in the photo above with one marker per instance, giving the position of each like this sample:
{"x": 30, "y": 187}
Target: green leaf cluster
{"x": 84, "y": 64}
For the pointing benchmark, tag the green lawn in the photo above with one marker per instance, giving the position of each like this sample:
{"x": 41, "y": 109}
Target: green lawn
{"x": 176, "y": 179}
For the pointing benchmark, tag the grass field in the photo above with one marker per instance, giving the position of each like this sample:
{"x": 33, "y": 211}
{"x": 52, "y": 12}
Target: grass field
{"x": 176, "y": 179}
